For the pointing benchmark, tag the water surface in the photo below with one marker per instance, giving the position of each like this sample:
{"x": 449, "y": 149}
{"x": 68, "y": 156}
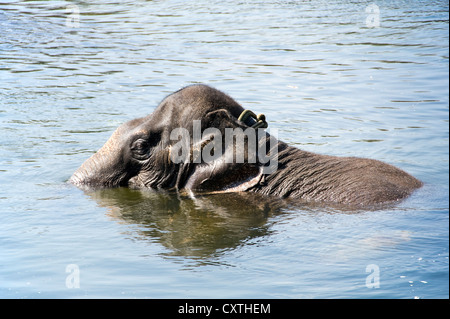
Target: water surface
{"x": 328, "y": 79}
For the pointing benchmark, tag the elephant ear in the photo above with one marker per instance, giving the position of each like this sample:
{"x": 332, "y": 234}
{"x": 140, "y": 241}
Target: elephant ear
{"x": 224, "y": 162}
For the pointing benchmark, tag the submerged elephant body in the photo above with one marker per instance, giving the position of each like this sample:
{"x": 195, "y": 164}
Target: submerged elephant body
{"x": 141, "y": 153}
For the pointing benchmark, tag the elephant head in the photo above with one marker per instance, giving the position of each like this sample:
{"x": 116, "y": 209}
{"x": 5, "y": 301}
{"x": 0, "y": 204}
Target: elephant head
{"x": 148, "y": 151}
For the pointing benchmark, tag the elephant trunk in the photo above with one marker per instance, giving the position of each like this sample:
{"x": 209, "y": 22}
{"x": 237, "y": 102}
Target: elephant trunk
{"x": 106, "y": 168}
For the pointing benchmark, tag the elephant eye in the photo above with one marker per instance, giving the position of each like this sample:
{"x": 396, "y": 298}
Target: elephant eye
{"x": 142, "y": 145}
{"x": 140, "y": 148}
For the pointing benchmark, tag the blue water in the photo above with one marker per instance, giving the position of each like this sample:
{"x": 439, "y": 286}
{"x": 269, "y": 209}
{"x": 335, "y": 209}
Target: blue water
{"x": 328, "y": 77}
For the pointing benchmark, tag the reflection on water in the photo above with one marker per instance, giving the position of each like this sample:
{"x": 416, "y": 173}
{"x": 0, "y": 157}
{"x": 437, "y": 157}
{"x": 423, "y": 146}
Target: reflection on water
{"x": 200, "y": 226}
{"x": 205, "y": 225}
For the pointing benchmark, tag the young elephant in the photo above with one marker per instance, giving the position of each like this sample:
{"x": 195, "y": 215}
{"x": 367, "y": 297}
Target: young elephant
{"x": 185, "y": 145}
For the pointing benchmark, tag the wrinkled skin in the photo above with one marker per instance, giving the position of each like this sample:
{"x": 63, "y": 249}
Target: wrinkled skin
{"x": 138, "y": 155}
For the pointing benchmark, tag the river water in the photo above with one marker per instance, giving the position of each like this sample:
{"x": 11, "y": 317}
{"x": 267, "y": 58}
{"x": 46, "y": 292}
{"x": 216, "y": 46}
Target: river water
{"x": 348, "y": 78}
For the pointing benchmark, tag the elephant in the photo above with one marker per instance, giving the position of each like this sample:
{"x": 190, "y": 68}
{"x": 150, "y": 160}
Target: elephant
{"x": 143, "y": 153}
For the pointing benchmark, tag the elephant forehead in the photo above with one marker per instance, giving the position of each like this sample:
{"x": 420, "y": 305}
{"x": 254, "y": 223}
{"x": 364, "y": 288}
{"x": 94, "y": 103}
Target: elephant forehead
{"x": 193, "y": 102}
{"x": 133, "y": 127}
{"x": 139, "y": 132}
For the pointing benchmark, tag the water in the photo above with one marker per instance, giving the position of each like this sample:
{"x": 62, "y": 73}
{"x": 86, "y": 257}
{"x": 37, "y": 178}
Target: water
{"x": 327, "y": 77}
